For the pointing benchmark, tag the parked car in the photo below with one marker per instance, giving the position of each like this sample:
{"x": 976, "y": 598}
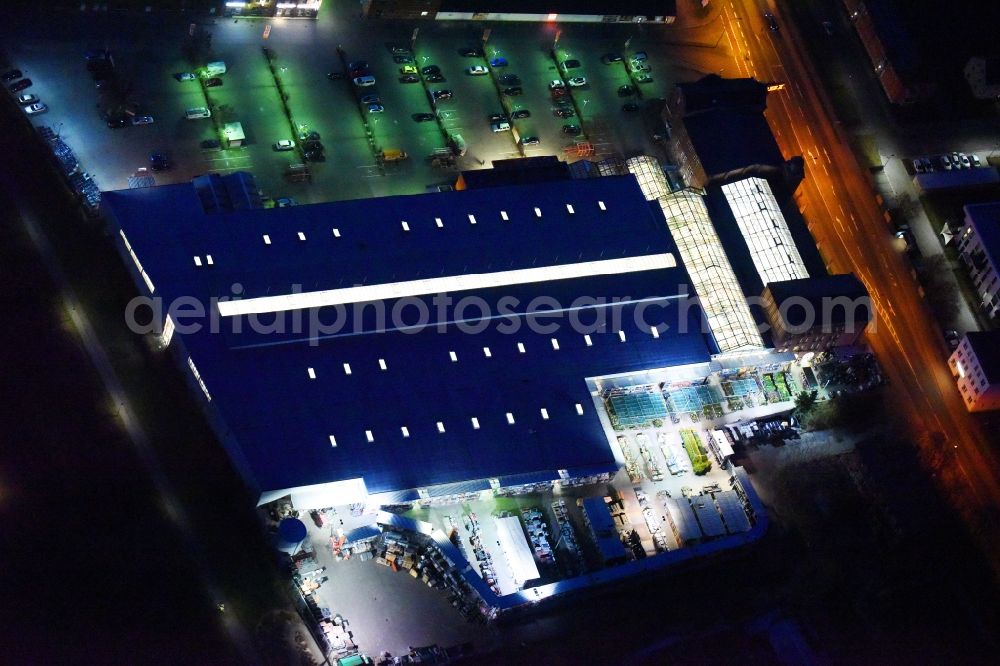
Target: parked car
{"x": 498, "y": 117}
{"x": 371, "y": 99}
{"x": 498, "y": 62}
{"x": 556, "y": 84}
{"x": 578, "y": 81}
{"x": 918, "y": 165}
{"x": 513, "y": 91}
{"x": 772, "y": 23}
{"x": 430, "y": 69}
{"x": 952, "y": 338}
{"x": 570, "y": 64}
{"x": 185, "y": 76}
{"x": 409, "y": 78}
{"x": 626, "y": 91}
{"x": 500, "y": 126}
{"x": 283, "y": 145}
{"x": 399, "y": 50}
{"x": 530, "y": 141}
{"x": 408, "y": 69}
{"x": 364, "y": 81}
{"x": 434, "y": 78}
{"x": 375, "y": 108}
{"x": 358, "y": 64}
{"x": 441, "y": 94}
{"x": 610, "y": 58}
{"x": 928, "y": 165}
{"x": 521, "y": 113}
{"x": 471, "y": 52}
{"x": 213, "y": 82}
{"x": 158, "y": 162}
{"x": 12, "y": 74}
{"x": 639, "y": 56}
{"x": 956, "y": 161}
{"x": 964, "y": 159}
{"x": 945, "y": 162}
{"x": 564, "y": 112}
{"x": 284, "y": 202}
{"x": 403, "y": 59}
{"x": 477, "y": 70}
{"x": 335, "y": 76}
{"x": 36, "y": 108}
{"x": 559, "y": 92}
{"x": 357, "y": 73}
{"x": 115, "y": 122}
{"x": 630, "y": 107}
{"x": 572, "y": 130}
{"x": 975, "y": 160}
{"x": 27, "y": 99}
{"x": 20, "y": 85}
{"x": 423, "y": 117}
{"x": 142, "y": 120}
{"x": 643, "y": 78}
{"x": 641, "y": 67}
{"x": 510, "y": 80}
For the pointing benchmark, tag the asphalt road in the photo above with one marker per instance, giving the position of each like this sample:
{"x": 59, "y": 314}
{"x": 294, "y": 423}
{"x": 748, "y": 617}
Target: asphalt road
{"x": 839, "y": 204}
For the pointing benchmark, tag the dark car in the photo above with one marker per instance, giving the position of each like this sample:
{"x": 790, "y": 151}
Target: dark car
{"x": 498, "y": 117}
{"x": 530, "y": 141}
{"x": 20, "y": 85}
{"x": 11, "y": 75}
{"x": 434, "y": 78}
{"x": 630, "y": 107}
{"x": 430, "y": 69}
{"x": 521, "y": 113}
{"x": 626, "y": 91}
{"x": 498, "y": 62}
{"x": 359, "y": 72}
{"x": 423, "y": 117}
{"x": 609, "y": 58}
{"x": 335, "y": 76}
{"x": 513, "y": 91}
{"x": 403, "y": 59}
{"x": 116, "y": 121}
{"x": 570, "y": 64}
{"x": 213, "y": 82}
{"x": 772, "y": 23}
{"x": 358, "y": 64}
{"x": 510, "y": 79}
{"x": 572, "y": 130}
{"x": 409, "y": 78}
{"x": 441, "y": 94}
{"x": 564, "y": 112}
{"x": 559, "y": 92}
{"x": 158, "y": 162}
{"x": 470, "y": 52}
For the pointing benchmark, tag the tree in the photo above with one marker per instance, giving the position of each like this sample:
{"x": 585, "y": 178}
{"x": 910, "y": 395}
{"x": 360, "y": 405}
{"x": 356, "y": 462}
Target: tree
{"x": 805, "y": 401}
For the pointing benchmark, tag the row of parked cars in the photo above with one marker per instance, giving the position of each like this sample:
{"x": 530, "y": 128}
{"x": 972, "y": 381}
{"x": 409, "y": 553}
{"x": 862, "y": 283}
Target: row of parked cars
{"x": 17, "y": 83}
{"x": 945, "y": 162}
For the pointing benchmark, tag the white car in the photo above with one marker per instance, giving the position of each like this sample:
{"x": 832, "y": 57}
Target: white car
{"x": 556, "y": 83}
{"x": 477, "y": 70}
{"x": 27, "y": 99}
{"x": 38, "y": 107}
{"x": 578, "y": 81}
{"x": 964, "y": 159}
{"x": 284, "y": 144}
{"x": 976, "y": 162}
{"x": 185, "y": 76}
{"x": 142, "y": 120}
{"x": 364, "y": 81}
{"x": 500, "y": 126}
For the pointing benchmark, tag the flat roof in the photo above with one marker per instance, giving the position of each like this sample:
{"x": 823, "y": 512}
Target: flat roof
{"x": 455, "y": 396}
{"x": 586, "y": 7}
{"x": 515, "y": 548}
{"x": 985, "y": 218}
{"x": 986, "y": 346}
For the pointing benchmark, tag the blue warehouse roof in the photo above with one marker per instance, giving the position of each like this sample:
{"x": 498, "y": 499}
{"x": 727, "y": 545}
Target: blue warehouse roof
{"x": 417, "y": 406}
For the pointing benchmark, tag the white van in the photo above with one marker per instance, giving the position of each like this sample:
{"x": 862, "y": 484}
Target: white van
{"x": 197, "y": 112}
{"x": 215, "y": 68}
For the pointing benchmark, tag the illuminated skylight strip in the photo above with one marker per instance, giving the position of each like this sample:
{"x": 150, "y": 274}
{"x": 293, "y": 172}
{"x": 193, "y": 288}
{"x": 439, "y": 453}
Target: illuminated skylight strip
{"x": 428, "y": 286}
{"x": 765, "y": 231}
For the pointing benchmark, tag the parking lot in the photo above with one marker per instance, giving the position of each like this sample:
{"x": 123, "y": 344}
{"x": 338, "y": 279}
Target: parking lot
{"x": 149, "y": 50}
